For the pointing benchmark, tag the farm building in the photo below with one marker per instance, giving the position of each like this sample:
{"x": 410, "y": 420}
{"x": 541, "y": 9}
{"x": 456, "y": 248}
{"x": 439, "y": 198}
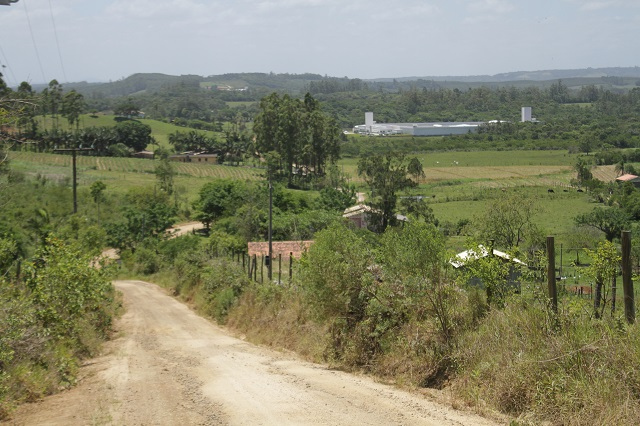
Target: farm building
{"x": 194, "y": 157}
{"x": 633, "y": 179}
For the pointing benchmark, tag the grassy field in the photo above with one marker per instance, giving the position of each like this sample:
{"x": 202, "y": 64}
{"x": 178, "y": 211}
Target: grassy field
{"x": 159, "y": 129}
{"x": 493, "y": 165}
{"x": 124, "y": 173}
{"x": 455, "y": 192}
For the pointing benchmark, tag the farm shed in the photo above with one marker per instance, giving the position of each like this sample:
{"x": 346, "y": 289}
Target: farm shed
{"x": 191, "y": 157}
{"x": 462, "y": 259}
{"x": 279, "y": 247}
{"x": 633, "y": 179}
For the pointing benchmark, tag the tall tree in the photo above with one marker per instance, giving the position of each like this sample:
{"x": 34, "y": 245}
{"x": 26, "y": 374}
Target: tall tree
{"x": 385, "y": 175}
{"x": 53, "y": 99}
{"x": 508, "y": 220}
{"x": 164, "y": 174}
{"x": 72, "y": 107}
{"x": 305, "y": 139}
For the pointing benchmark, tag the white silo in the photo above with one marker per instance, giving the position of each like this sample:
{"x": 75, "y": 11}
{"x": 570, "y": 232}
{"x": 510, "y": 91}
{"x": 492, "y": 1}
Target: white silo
{"x": 368, "y": 119}
{"x": 526, "y": 114}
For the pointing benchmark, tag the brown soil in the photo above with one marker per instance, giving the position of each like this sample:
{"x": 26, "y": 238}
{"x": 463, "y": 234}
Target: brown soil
{"x": 168, "y": 366}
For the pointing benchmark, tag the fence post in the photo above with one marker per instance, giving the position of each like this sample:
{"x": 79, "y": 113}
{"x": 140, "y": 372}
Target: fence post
{"x": 551, "y": 274}
{"x": 279, "y": 268}
{"x": 262, "y": 268}
{"x": 290, "y": 266}
{"x": 627, "y": 283}
{"x": 614, "y": 293}
{"x": 255, "y": 267}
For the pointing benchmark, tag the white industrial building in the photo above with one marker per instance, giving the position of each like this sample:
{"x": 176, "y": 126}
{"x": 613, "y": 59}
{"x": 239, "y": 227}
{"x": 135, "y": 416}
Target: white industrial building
{"x": 415, "y": 129}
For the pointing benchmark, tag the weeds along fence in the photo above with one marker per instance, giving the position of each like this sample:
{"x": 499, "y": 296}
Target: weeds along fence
{"x": 607, "y": 270}
{"x": 571, "y": 266}
{"x": 258, "y": 268}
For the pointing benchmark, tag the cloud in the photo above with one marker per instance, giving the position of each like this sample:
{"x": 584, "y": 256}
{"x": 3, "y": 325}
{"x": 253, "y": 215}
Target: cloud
{"x": 488, "y": 10}
{"x": 604, "y": 5}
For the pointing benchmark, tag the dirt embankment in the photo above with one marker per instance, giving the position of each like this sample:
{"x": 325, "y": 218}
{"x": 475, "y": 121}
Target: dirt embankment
{"x": 168, "y": 366}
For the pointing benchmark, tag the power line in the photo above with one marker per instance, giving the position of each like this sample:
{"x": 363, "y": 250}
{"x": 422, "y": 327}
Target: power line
{"x": 55, "y": 32}
{"x": 5, "y": 64}
{"x": 33, "y": 40}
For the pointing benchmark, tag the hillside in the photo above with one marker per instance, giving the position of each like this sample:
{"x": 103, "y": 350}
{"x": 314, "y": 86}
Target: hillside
{"x": 609, "y": 78}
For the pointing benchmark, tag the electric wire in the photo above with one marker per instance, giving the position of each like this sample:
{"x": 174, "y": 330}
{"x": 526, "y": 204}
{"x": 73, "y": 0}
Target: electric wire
{"x": 55, "y": 32}
{"x": 33, "y": 40}
{"x": 5, "y": 64}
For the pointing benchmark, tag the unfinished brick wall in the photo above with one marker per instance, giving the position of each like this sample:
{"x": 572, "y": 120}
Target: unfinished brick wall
{"x": 280, "y": 247}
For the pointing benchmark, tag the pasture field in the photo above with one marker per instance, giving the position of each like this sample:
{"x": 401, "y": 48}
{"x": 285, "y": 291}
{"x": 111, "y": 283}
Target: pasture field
{"x": 460, "y": 185}
{"x": 455, "y": 192}
{"x": 159, "y": 129}
{"x": 124, "y": 173}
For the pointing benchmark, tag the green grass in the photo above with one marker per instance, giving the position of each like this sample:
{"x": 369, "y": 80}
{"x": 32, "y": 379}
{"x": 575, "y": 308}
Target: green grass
{"x": 124, "y": 173}
{"x": 461, "y": 192}
{"x": 555, "y": 218}
{"x": 159, "y": 129}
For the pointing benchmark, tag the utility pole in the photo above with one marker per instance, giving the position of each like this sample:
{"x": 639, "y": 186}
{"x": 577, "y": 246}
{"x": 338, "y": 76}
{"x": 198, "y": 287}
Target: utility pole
{"x": 270, "y": 227}
{"x": 75, "y": 173}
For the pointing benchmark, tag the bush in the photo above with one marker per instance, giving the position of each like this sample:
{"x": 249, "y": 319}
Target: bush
{"x": 60, "y": 314}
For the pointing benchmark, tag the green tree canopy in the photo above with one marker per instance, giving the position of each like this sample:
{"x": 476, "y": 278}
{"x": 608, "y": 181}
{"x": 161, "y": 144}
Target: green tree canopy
{"x": 385, "y": 175}
{"x": 218, "y": 199}
{"x": 612, "y": 221}
{"x": 508, "y": 220}
{"x": 305, "y": 139}
{"x": 133, "y": 134}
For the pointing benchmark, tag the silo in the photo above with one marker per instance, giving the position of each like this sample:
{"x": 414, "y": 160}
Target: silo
{"x": 368, "y": 119}
{"x": 526, "y": 114}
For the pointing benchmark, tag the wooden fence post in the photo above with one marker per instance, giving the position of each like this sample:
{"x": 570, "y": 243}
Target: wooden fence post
{"x": 262, "y": 268}
{"x": 627, "y": 283}
{"x": 255, "y": 267}
{"x": 290, "y": 266}
{"x": 551, "y": 274}
{"x": 279, "y": 268}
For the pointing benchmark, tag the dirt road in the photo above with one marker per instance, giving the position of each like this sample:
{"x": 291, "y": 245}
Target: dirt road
{"x": 168, "y": 366}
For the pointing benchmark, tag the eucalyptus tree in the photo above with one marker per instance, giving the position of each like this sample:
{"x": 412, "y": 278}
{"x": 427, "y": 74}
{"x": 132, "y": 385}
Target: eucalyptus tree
{"x": 305, "y": 139}
{"x": 52, "y": 99}
{"x": 72, "y": 107}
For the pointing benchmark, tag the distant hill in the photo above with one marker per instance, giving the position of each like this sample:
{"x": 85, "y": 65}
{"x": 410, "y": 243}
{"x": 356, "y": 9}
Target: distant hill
{"x": 544, "y": 75}
{"x": 613, "y": 78}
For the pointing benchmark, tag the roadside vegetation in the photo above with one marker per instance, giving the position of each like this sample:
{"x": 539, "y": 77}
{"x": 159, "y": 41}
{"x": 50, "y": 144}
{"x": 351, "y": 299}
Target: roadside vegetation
{"x": 384, "y": 300}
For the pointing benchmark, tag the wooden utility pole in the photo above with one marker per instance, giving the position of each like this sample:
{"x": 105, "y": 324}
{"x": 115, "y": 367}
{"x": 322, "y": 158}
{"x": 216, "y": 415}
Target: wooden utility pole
{"x": 75, "y": 173}
{"x": 627, "y": 283}
{"x": 551, "y": 274}
{"x": 270, "y": 229}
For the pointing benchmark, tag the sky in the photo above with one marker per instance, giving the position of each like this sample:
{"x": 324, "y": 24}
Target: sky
{"x": 107, "y": 40}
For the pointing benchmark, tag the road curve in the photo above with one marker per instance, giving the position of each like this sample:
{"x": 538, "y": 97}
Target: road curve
{"x": 168, "y": 366}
